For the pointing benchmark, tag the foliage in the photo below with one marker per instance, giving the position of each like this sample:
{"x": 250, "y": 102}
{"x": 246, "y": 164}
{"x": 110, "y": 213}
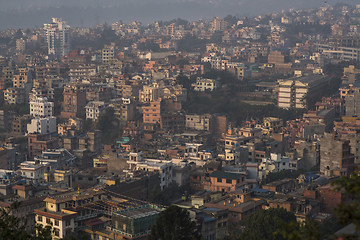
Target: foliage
{"x": 173, "y": 224}
{"x": 191, "y": 43}
{"x": 109, "y": 126}
{"x": 275, "y": 176}
{"x": 12, "y": 227}
{"x": 349, "y": 212}
{"x": 264, "y": 224}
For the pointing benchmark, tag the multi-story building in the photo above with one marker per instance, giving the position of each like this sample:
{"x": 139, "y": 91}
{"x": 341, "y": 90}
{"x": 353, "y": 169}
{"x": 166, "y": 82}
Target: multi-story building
{"x": 19, "y": 124}
{"x": 94, "y": 109}
{"x": 45, "y": 125}
{"x": 108, "y": 53}
{"x": 38, "y": 143}
{"x": 336, "y": 158}
{"x": 162, "y": 167}
{"x": 124, "y": 109}
{"x": 41, "y": 107}
{"x": 47, "y": 93}
{"x": 58, "y": 37}
{"x": 74, "y": 101}
{"x": 294, "y": 92}
{"x": 198, "y": 122}
{"x": 67, "y": 211}
{"x": 152, "y": 113}
{"x": 34, "y": 171}
{"x": 204, "y": 84}
{"x": 134, "y": 223}
{"x": 15, "y": 95}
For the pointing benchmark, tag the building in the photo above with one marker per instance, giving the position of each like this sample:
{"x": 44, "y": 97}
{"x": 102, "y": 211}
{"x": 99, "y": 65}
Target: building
{"x": 42, "y": 125}
{"x": 38, "y": 143}
{"x": 41, "y": 107}
{"x": 162, "y": 167}
{"x": 108, "y": 53}
{"x": 19, "y": 124}
{"x": 124, "y": 109}
{"x": 152, "y": 113}
{"x": 58, "y": 37}
{"x": 15, "y": 95}
{"x": 94, "y": 109}
{"x": 336, "y": 158}
{"x": 198, "y": 122}
{"x": 56, "y": 158}
{"x": 275, "y": 163}
{"x": 205, "y": 84}
{"x": 67, "y": 211}
{"x": 134, "y": 223}
{"x": 294, "y": 92}
{"x": 74, "y": 101}
{"x": 31, "y": 170}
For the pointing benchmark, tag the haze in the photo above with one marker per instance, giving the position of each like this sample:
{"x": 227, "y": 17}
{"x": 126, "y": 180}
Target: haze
{"x": 29, "y": 13}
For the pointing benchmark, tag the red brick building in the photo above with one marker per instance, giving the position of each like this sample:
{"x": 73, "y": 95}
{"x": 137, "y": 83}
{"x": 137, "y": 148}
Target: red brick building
{"x": 38, "y": 143}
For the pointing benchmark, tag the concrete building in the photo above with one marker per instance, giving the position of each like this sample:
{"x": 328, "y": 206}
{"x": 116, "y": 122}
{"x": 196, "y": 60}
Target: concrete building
{"x": 336, "y": 158}
{"x": 293, "y": 92}
{"x": 33, "y": 171}
{"x": 58, "y": 37}
{"x": 134, "y": 223}
{"x": 94, "y": 109}
{"x": 198, "y": 122}
{"x": 352, "y": 104}
{"x": 108, "y": 53}
{"x": 275, "y": 163}
{"x": 74, "y": 101}
{"x": 205, "y": 84}
{"x": 15, "y": 96}
{"x": 41, "y": 107}
{"x": 19, "y": 124}
{"x": 162, "y": 167}
{"x": 42, "y": 125}
{"x": 67, "y": 211}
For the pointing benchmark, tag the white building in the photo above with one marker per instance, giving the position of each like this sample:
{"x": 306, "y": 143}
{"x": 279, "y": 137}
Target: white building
{"x": 58, "y": 38}
{"x": 33, "y": 171}
{"x": 275, "y": 163}
{"x": 162, "y": 167}
{"x": 94, "y": 109}
{"x": 41, "y": 107}
{"x": 205, "y": 84}
{"x": 42, "y": 125}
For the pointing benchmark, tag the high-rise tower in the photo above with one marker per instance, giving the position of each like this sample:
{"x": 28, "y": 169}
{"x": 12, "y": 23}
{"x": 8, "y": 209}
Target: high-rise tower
{"x": 57, "y": 37}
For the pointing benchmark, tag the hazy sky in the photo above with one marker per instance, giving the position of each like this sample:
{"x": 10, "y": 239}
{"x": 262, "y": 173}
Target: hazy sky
{"x": 29, "y": 13}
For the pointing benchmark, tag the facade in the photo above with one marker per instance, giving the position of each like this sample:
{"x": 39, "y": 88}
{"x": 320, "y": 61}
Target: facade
{"x": 336, "y": 158}
{"x": 58, "y": 37}
{"x": 15, "y": 96}
{"x": 152, "y": 113}
{"x": 41, "y": 107}
{"x": 42, "y": 125}
{"x": 108, "y": 53}
{"x": 293, "y": 92}
{"x": 162, "y": 167}
{"x": 33, "y": 171}
{"x": 74, "y": 101}
{"x": 202, "y": 85}
{"x": 198, "y": 122}
{"x": 94, "y": 109}
{"x": 134, "y": 223}
{"x": 66, "y": 212}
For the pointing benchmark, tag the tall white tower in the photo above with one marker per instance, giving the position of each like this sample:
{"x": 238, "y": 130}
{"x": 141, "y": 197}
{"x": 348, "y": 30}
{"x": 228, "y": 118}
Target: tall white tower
{"x": 57, "y": 37}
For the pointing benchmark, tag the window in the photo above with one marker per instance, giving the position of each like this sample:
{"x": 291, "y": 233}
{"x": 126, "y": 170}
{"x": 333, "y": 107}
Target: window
{"x": 228, "y": 181}
{"x": 39, "y": 218}
{"x": 219, "y": 180}
{"x": 56, "y": 222}
{"x": 48, "y": 221}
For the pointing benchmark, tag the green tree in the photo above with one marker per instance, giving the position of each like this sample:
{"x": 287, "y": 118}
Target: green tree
{"x": 173, "y": 224}
{"x": 349, "y": 212}
{"x": 263, "y": 224}
{"x": 109, "y": 126}
{"x": 12, "y": 227}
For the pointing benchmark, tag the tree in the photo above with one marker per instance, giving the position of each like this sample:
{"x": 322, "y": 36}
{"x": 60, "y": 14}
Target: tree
{"x": 263, "y": 224}
{"x": 109, "y": 126}
{"x": 173, "y": 224}
{"x": 12, "y": 227}
{"x": 349, "y": 212}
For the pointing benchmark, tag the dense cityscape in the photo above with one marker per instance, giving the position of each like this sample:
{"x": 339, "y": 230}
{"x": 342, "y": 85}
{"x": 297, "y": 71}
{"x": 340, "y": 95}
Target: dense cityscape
{"x": 221, "y": 128}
